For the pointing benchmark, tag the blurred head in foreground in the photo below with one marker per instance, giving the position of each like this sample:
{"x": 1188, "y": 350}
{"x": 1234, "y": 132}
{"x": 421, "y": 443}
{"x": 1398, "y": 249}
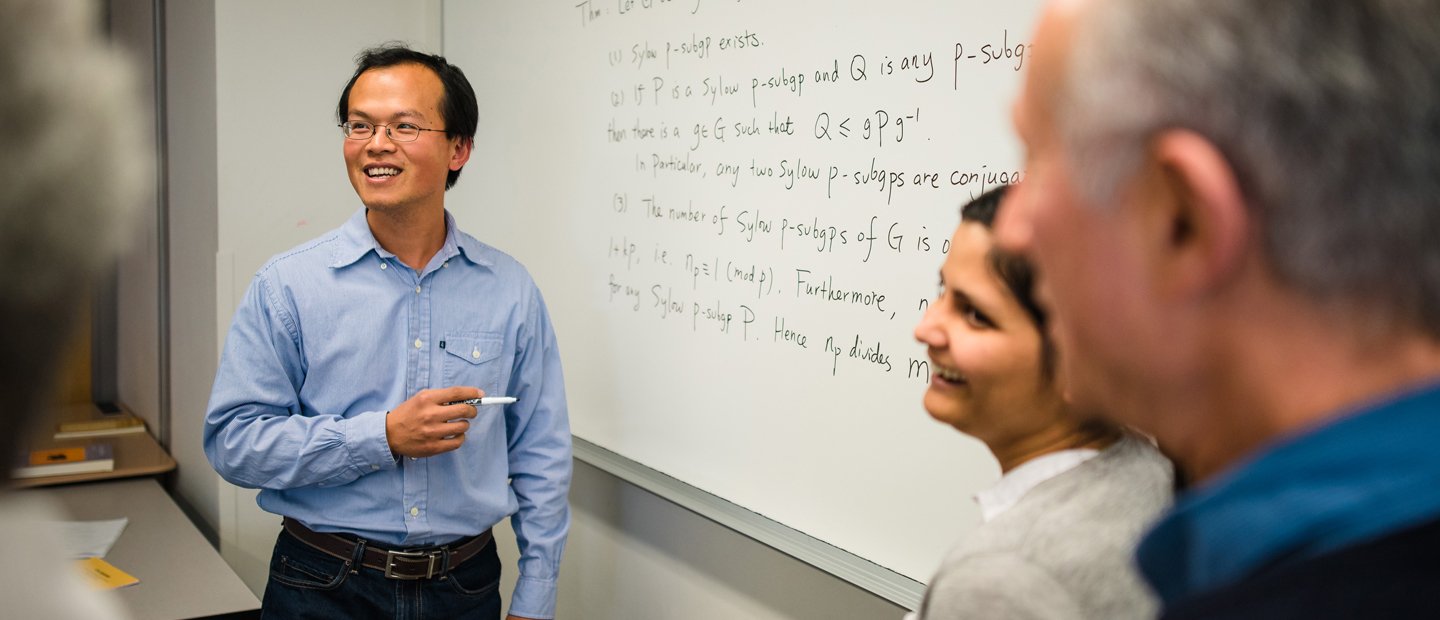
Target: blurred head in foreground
{"x": 73, "y": 171}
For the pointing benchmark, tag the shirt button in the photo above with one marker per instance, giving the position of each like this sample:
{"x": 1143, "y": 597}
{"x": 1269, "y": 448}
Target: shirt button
{"x": 475, "y": 354}
{"x": 414, "y": 511}
{"x": 417, "y": 343}
{"x": 374, "y": 467}
{"x": 384, "y": 266}
{"x": 417, "y": 289}
{"x": 445, "y": 264}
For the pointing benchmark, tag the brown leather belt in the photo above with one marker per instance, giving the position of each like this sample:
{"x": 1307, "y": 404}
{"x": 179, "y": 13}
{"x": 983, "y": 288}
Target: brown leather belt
{"x": 423, "y": 563}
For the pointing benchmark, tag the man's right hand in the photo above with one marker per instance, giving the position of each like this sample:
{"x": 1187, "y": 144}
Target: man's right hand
{"x": 426, "y": 426}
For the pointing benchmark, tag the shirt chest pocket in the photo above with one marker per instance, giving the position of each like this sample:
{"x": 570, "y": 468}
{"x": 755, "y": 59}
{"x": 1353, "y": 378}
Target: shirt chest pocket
{"x": 474, "y": 359}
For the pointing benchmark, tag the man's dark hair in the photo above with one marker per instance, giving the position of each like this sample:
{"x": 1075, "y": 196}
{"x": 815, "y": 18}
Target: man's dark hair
{"x": 457, "y": 103}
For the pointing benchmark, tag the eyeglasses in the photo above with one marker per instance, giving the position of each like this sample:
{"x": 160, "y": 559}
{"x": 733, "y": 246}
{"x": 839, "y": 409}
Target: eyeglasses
{"x": 399, "y": 132}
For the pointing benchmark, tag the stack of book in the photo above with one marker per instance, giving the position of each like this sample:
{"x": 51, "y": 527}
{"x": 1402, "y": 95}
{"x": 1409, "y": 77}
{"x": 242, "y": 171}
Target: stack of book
{"x": 115, "y": 424}
{"x": 83, "y": 459}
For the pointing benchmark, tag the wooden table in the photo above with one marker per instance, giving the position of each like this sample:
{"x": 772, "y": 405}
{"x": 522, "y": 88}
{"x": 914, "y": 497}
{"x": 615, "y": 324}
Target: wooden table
{"x": 181, "y": 575}
{"x": 136, "y": 454}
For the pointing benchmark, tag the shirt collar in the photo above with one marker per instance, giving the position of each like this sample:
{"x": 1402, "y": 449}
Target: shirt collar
{"x": 1019, "y": 481}
{"x": 1355, "y": 477}
{"x": 355, "y": 241}
{"x": 470, "y": 248}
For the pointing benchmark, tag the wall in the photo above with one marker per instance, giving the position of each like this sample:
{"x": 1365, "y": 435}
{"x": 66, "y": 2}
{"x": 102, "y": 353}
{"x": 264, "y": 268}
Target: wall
{"x": 251, "y": 100}
{"x": 634, "y": 555}
{"x": 183, "y": 216}
{"x": 191, "y": 201}
{"x": 138, "y": 271}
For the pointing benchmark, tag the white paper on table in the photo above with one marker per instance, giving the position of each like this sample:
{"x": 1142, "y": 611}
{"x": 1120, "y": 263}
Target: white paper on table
{"x": 91, "y": 539}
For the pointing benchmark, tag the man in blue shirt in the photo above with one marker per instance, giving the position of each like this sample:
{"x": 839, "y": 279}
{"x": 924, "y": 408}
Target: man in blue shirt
{"x": 1232, "y": 206}
{"x": 338, "y": 391}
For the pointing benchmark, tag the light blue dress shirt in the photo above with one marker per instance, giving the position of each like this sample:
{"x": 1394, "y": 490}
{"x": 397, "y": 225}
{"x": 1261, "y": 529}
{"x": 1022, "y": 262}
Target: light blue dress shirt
{"x": 1363, "y": 475}
{"x": 333, "y": 334}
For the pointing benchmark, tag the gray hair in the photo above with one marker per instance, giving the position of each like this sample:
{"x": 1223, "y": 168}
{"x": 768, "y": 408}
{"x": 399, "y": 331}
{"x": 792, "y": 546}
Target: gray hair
{"x": 73, "y": 170}
{"x": 1328, "y": 111}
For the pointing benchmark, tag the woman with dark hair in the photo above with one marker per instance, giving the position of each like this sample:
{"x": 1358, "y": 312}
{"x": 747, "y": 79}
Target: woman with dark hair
{"x": 1076, "y": 491}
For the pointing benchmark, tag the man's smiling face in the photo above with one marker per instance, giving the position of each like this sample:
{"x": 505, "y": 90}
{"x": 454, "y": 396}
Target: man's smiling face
{"x": 392, "y": 176}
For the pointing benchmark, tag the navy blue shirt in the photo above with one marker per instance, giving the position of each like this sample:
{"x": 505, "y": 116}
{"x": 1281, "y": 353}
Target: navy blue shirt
{"x": 1365, "y": 474}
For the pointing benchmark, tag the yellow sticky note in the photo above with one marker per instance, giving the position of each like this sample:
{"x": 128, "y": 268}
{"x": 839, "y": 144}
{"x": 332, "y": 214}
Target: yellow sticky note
{"x": 101, "y": 575}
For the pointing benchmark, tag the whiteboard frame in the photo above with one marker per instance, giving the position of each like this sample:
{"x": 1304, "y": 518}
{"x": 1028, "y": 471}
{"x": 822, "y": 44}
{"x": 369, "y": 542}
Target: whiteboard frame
{"x": 858, "y": 571}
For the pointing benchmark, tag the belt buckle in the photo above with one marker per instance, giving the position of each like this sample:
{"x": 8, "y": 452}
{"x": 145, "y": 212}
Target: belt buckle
{"x": 390, "y": 557}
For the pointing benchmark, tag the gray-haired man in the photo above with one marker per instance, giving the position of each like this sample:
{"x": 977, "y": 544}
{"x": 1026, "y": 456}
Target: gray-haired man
{"x": 1233, "y": 208}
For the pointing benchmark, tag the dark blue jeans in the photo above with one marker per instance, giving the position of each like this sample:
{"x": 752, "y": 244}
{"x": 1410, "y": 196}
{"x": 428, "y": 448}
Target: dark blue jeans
{"x": 308, "y": 583}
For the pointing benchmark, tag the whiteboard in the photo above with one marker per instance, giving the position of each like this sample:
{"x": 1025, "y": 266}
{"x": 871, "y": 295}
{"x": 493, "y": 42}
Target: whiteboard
{"x": 737, "y": 211}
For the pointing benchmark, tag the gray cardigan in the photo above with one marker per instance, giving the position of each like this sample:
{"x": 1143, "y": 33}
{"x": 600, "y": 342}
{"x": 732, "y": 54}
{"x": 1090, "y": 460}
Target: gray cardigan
{"x": 1065, "y": 550}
